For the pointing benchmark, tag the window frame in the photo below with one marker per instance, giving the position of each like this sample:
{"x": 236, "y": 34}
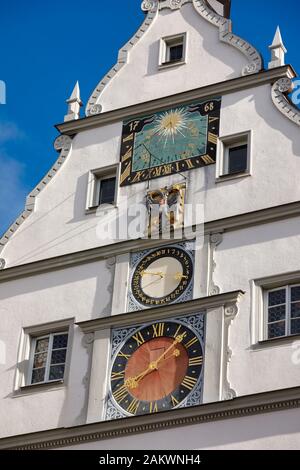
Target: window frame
{"x": 288, "y": 315}
{"x": 98, "y": 190}
{"x": 33, "y": 341}
{"x": 94, "y": 186}
{"x": 21, "y": 384}
{"x": 165, "y": 45}
{"x": 227, "y": 143}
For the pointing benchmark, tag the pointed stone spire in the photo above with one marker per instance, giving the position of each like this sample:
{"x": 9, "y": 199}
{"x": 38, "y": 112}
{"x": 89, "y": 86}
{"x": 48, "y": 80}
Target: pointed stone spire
{"x": 278, "y": 51}
{"x": 74, "y": 104}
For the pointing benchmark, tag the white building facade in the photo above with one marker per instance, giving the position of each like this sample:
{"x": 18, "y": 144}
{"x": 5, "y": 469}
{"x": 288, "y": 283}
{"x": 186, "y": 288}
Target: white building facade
{"x": 113, "y": 338}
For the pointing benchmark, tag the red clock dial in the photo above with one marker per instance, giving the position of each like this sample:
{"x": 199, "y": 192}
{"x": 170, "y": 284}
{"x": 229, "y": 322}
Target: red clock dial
{"x": 162, "y": 380}
{"x": 157, "y": 368}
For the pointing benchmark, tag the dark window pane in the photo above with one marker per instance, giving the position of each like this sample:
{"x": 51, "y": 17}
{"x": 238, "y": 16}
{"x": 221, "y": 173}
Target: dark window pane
{"x": 57, "y": 372}
{"x": 40, "y": 360}
{"x": 295, "y": 310}
{"x": 276, "y": 330}
{"x": 60, "y": 341}
{"x": 38, "y": 375}
{"x": 295, "y": 327}
{"x": 295, "y": 293}
{"x": 238, "y": 159}
{"x": 277, "y": 297}
{"x": 42, "y": 345}
{"x": 276, "y": 314}
{"x": 59, "y": 357}
{"x": 176, "y": 52}
{"x": 107, "y": 191}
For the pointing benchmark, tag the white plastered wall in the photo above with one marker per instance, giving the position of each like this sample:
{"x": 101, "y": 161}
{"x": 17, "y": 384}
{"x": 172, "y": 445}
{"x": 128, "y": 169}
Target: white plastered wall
{"x": 81, "y": 293}
{"x": 60, "y": 225}
{"x": 208, "y": 61}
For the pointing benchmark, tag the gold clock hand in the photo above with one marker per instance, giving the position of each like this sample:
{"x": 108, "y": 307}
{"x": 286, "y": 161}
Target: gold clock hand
{"x": 179, "y": 277}
{"x": 176, "y": 353}
{"x": 133, "y": 382}
{"x": 178, "y": 339}
{"x": 148, "y": 273}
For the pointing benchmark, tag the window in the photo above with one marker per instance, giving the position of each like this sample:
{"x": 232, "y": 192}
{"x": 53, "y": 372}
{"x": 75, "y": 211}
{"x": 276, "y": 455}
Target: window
{"x": 173, "y": 50}
{"x": 48, "y": 358}
{"x": 107, "y": 191}
{"x": 237, "y": 159}
{"x": 234, "y": 156}
{"x": 102, "y": 188}
{"x": 282, "y": 312}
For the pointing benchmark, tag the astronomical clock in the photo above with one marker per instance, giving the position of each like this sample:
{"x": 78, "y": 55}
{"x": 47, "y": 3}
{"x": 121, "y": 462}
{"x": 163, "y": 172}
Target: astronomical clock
{"x": 171, "y": 141}
{"x": 156, "y": 367}
{"x": 161, "y": 276}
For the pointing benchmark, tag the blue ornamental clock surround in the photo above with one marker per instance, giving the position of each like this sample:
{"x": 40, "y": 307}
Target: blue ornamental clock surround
{"x": 161, "y": 276}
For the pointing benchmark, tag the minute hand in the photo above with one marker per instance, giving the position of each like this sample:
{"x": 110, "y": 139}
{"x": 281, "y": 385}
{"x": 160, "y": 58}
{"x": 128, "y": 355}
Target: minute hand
{"x": 178, "y": 339}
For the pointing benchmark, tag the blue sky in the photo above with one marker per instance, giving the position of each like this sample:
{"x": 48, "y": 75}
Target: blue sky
{"x": 47, "y": 46}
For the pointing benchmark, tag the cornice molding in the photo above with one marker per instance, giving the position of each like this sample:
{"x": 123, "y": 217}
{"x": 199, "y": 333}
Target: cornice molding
{"x": 152, "y": 7}
{"x": 93, "y": 107}
{"x": 280, "y": 91}
{"x": 222, "y": 88}
{"x": 160, "y": 313}
{"x": 255, "y": 61}
{"x": 237, "y": 222}
{"x": 62, "y": 144}
{"x": 252, "y": 405}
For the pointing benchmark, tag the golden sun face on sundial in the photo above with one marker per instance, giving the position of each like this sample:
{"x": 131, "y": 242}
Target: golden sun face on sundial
{"x": 171, "y": 123}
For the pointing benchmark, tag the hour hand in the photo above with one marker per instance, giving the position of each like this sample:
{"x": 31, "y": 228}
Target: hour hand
{"x": 148, "y": 273}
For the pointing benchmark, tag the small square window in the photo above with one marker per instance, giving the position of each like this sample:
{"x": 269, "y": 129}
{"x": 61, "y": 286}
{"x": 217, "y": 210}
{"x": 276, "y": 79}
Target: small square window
{"x": 173, "y": 50}
{"x": 234, "y": 156}
{"x": 102, "y": 188}
{"x": 107, "y": 191}
{"x": 48, "y": 358}
{"x": 176, "y": 52}
{"x": 237, "y": 159}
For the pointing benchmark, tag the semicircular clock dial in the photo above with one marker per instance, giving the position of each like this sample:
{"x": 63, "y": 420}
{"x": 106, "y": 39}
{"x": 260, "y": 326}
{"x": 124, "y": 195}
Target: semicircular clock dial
{"x": 156, "y": 368}
{"x": 162, "y": 276}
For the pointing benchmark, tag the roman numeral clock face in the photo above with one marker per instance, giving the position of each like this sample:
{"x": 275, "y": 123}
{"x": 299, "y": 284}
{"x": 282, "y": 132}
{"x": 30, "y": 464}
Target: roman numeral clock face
{"x": 172, "y": 141}
{"x": 157, "y": 368}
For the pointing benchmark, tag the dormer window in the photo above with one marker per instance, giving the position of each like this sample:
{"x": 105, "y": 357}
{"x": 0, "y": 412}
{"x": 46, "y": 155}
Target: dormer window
{"x": 173, "y": 50}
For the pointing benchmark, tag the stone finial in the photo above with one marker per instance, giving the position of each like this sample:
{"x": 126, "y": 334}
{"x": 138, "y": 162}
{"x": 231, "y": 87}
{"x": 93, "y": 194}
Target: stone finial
{"x": 74, "y": 104}
{"x": 278, "y": 51}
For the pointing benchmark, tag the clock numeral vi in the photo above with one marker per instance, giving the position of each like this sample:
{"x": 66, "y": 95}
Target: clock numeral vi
{"x": 153, "y": 408}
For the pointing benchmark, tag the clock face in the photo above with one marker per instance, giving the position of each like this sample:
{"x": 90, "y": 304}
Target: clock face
{"x": 171, "y": 141}
{"x": 156, "y": 368}
{"x": 162, "y": 276}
